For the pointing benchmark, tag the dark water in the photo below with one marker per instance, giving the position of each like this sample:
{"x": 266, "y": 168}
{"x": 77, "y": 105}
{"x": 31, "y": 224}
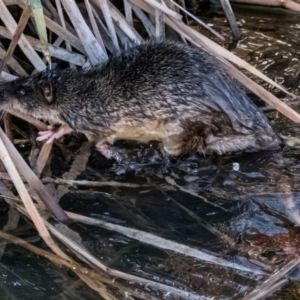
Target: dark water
{"x": 243, "y": 197}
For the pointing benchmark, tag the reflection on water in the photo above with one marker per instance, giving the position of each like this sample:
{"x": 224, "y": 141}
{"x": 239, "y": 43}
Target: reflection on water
{"x": 242, "y": 198}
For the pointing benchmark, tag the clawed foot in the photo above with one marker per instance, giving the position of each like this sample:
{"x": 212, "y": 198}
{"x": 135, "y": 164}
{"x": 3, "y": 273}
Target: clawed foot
{"x": 53, "y": 133}
{"x": 105, "y": 150}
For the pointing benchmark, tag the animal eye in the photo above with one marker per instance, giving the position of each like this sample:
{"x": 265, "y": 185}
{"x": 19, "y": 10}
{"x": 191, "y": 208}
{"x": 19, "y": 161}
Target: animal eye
{"x": 22, "y": 92}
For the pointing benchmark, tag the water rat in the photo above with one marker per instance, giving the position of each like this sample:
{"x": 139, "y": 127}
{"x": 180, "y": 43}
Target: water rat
{"x": 163, "y": 91}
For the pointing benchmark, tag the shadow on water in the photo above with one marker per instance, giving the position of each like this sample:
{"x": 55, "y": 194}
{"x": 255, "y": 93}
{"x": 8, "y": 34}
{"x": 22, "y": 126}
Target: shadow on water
{"x": 242, "y": 197}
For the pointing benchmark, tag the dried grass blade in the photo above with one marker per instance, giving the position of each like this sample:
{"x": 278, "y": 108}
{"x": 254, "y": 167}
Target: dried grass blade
{"x": 19, "y": 30}
{"x": 28, "y": 203}
{"x": 34, "y": 182}
{"x": 11, "y": 25}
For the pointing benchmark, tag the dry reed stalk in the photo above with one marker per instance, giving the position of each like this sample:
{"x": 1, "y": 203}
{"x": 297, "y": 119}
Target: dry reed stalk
{"x": 109, "y": 23}
{"x": 159, "y": 5}
{"x": 20, "y": 141}
{"x": 27, "y": 49}
{"x": 7, "y": 76}
{"x": 119, "y": 19}
{"x": 159, "y": 21}
{"x": 69, "y": 182}
{"x": 42, "y": 192}
{"x": 67, "y": 35}
{"x": 231, "y": 19}
{"x": 8, "y": 126}
{"x": 12, "y": 62}
{"x": 144, "y": 19}
{"x": 187, "y": 13}
{"x": 63, "y": 23}
{"x": 289, "y": 4}
{"x": 15, "y": 39}
{"x": 128, "y": 12}
{"x": 92, "y": 47}
{"x": 94, "y": 25}
{"x": 38, "y": 124}
{"x": 27, "y": 201}
{"x": 55, "y": 51}
{"x": 42, "y": 159}
{"x": 79, "y": 163}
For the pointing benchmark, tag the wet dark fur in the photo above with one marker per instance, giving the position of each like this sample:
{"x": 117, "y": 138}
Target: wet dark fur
{"x": 164, "y": 91}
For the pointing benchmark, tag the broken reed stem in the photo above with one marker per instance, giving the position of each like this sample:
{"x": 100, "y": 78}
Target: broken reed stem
{"x": 34, "y": 182}
{"x": 28, "y": 203}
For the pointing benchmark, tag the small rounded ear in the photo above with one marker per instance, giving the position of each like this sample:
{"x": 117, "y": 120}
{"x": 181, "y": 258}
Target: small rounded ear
{"x": 47, "y": 90}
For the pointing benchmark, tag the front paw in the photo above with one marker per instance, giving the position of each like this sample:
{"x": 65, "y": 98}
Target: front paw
{"x": 54, "y": 133}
